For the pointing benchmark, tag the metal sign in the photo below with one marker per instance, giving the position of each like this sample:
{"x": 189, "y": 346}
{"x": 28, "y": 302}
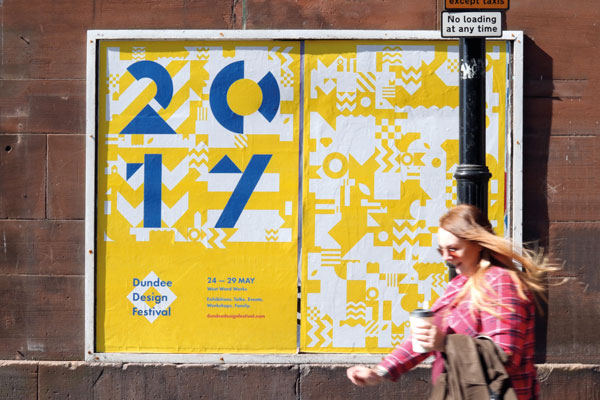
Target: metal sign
{"x": 476, "y": 4}
{"x": 471, "y": 24}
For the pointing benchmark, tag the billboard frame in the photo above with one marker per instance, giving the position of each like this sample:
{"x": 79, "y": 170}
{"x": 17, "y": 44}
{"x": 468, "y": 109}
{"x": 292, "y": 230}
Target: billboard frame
{"x": 514, "y": 176}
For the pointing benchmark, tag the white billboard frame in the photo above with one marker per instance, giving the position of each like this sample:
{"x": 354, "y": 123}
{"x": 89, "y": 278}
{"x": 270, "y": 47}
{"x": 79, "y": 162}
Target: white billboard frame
{"x": 514, "y": 163}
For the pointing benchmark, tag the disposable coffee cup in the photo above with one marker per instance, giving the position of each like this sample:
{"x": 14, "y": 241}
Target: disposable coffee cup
{"x": 416, "y": 316}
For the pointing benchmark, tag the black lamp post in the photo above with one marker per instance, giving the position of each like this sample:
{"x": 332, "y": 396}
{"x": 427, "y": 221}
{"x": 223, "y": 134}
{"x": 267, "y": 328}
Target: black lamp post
{"x": 472, "y": 175}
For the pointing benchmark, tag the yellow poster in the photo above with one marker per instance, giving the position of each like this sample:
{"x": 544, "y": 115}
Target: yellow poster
{"x": 197, "y": 196}
{"x": 380, "y": 150}
{"x": 209, "y": 155}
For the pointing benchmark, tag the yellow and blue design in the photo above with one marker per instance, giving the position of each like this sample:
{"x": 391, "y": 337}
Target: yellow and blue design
{"x": 232, "y": 97}
{"x": 198, "y": 200}
{"x": 198, "y": 152}
{"x": 380, "y": 150}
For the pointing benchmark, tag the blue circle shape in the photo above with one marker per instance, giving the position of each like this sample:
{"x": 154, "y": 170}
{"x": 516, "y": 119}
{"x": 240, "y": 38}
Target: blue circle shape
{"x": 218, "y": 97}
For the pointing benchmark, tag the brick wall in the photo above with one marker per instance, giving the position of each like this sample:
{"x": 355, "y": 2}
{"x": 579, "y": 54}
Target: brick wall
{"x": 42, "y": 158}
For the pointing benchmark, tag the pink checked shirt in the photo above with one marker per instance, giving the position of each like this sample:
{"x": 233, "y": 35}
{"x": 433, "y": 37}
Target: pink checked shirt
{"x": 512, "y": 331}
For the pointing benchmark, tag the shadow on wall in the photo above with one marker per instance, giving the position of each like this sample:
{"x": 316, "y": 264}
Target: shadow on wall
{"x": 537, "y": 127}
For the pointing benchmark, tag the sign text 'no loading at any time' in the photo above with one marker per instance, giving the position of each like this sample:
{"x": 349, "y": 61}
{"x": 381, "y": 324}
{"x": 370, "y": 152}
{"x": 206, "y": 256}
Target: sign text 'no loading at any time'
{"x": 475, "y": 20}
{"x": 471, "y": 24}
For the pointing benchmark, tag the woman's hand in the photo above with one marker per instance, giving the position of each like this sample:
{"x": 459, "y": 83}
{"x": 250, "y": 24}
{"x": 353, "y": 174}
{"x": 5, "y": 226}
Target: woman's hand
{"x": 363, "y": 376}
{"x": 429, "y": 336}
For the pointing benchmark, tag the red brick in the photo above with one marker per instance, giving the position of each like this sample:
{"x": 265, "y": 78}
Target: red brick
{"x": 572, "y": 327}
{"x": 22, "y": 176}
{"x": 568, "y": 47}
{"x": 166, "y": 381}
{"x": 66, "y": 176}
{"x": 44, "y": 40}
{"x": 330, "y": 382}
{"x": 42, "y": 247}
{"x": 341, "y": 14}
{"x": 41, "y": 317}
{"x": 558, "y": 382}
{"x": 576, "y": 245}
{"x": 42, "y": 106}
{"x": 157, "y": 14}
{"x": 18, "y": 380}
{"x": 573, "y": 182}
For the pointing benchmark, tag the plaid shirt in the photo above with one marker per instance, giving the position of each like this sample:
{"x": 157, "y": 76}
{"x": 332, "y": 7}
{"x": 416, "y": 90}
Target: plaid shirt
{"x": 513, "y": 331}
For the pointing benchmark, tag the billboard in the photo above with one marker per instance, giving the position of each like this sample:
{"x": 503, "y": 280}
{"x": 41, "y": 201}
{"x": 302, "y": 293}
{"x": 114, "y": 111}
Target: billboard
{"x": 197, "y": 213}
{"x": 274, "y": 196}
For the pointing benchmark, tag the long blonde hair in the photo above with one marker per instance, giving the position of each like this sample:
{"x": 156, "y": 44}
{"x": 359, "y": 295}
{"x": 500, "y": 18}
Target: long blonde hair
{"x": 468, "y": 222}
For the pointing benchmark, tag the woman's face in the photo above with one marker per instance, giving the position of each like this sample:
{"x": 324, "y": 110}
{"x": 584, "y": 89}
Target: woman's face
{"x": 463, "y": 254}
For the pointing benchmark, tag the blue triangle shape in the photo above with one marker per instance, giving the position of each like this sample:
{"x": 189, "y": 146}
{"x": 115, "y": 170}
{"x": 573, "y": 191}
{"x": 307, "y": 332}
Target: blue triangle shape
{"x": 148, "y": 122}
{"x": 225, "y": 166}
{"x": 132, "y": 169}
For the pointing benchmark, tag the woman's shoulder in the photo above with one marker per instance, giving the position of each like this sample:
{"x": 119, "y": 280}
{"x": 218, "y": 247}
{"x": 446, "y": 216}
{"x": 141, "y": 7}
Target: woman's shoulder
{"x": 504, "y": 281}
{"x": 499, "y": 277}
{"x": 495, "y": 270}
{"x": 495, "y": 273}
{"x": 452, "y": 290}
{"x": 457, "y": 282}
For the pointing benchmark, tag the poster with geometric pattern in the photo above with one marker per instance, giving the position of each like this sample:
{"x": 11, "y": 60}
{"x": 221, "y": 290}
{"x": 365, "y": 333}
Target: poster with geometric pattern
{"x": 197, "y": 196}
{"x": 380, "y": 150}
{"x": 230, "y": 172}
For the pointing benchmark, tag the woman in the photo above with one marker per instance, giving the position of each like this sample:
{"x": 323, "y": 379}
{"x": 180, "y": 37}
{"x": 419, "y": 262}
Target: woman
{"x": 491, "y": 296}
